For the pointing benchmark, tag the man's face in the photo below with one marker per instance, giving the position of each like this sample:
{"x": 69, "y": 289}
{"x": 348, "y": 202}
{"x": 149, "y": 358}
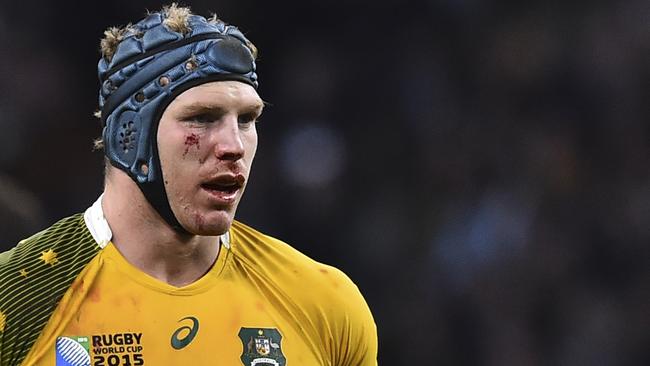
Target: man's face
{"x": 206, "y": 142}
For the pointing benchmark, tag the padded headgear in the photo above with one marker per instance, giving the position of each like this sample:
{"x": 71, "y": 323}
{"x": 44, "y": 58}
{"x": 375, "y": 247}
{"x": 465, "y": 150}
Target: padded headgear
{"x": 150, "y": 67}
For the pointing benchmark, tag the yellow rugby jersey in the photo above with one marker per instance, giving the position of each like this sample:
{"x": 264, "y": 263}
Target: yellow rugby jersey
{"x": 262, "y": 303}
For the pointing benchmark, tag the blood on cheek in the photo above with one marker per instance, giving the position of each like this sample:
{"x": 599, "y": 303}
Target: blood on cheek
{"x": 191, "y": 140}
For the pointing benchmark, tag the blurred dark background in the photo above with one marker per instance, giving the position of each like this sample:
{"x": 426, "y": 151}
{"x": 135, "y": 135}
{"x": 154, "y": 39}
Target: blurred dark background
{"x": 481, "y": 169}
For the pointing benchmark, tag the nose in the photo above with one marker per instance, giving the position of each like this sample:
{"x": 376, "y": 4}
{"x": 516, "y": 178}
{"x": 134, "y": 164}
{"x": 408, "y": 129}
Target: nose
{"x": 229, "y": 144}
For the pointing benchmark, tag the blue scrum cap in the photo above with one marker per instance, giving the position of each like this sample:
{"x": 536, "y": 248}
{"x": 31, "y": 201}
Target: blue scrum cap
{"x": 150, "y": 66}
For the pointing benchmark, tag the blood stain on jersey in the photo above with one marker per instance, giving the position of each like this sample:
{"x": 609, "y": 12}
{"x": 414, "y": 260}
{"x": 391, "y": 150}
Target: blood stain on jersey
{"x": 261, "y": 346}
{"x": 94, "y": 295}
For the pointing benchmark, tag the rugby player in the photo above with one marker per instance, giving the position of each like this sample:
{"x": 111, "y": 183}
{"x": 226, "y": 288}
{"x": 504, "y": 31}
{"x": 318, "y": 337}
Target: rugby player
{"x": 158, "y": 271}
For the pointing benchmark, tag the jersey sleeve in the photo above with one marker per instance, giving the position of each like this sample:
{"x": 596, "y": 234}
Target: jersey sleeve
{"x": 353, "y": 327}
{"x": 34, "y": 276}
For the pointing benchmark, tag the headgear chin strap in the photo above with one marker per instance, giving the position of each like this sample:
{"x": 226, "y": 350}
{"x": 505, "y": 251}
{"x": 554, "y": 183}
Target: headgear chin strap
{"x": 151, "y": 66}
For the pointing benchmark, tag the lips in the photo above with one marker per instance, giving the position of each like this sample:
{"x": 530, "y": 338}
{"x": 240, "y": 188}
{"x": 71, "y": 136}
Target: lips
{"x": 224, "y": 188}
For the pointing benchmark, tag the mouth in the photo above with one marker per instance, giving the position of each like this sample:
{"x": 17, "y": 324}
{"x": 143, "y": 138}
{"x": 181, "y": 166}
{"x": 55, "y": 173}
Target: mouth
{"x": 224, "y": 188}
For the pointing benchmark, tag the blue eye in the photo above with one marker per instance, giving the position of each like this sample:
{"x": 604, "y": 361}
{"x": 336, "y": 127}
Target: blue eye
{"x": 202, "y": 118}
{"x": 248, "y": 119}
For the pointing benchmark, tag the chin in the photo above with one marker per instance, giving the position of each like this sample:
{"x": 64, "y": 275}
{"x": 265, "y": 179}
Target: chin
{"x": 209, "y": 225}
{"x": 216, "y": 232}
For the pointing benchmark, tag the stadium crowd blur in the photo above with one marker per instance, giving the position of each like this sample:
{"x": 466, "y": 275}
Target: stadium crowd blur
{"x": 481, "y": 169}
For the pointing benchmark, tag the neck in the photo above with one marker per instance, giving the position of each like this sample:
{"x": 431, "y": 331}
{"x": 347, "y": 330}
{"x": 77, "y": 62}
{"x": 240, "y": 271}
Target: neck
{"x": 148, "y": 242}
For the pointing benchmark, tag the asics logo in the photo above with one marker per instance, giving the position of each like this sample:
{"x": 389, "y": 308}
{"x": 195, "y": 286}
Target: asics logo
{"x": 185, "y": 334}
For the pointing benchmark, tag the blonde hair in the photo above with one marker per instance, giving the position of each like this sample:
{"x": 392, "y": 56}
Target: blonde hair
{"x": 176, "y": 18}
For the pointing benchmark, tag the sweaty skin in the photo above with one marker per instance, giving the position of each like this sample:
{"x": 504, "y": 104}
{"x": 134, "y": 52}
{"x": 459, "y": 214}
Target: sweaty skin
{"x": 204, "y": 186}
{"x": 214, "y": 125}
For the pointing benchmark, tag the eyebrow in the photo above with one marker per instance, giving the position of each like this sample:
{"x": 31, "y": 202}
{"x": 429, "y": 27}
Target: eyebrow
{"x": 199, "y": 107}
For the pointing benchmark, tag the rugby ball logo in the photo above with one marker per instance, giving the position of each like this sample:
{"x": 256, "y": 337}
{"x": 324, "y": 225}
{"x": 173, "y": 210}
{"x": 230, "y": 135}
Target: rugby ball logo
{"x": 72, "y": 351}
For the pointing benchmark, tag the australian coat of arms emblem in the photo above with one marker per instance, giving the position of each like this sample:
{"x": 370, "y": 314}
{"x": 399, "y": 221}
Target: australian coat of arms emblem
{"x": 262, "y": 347}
